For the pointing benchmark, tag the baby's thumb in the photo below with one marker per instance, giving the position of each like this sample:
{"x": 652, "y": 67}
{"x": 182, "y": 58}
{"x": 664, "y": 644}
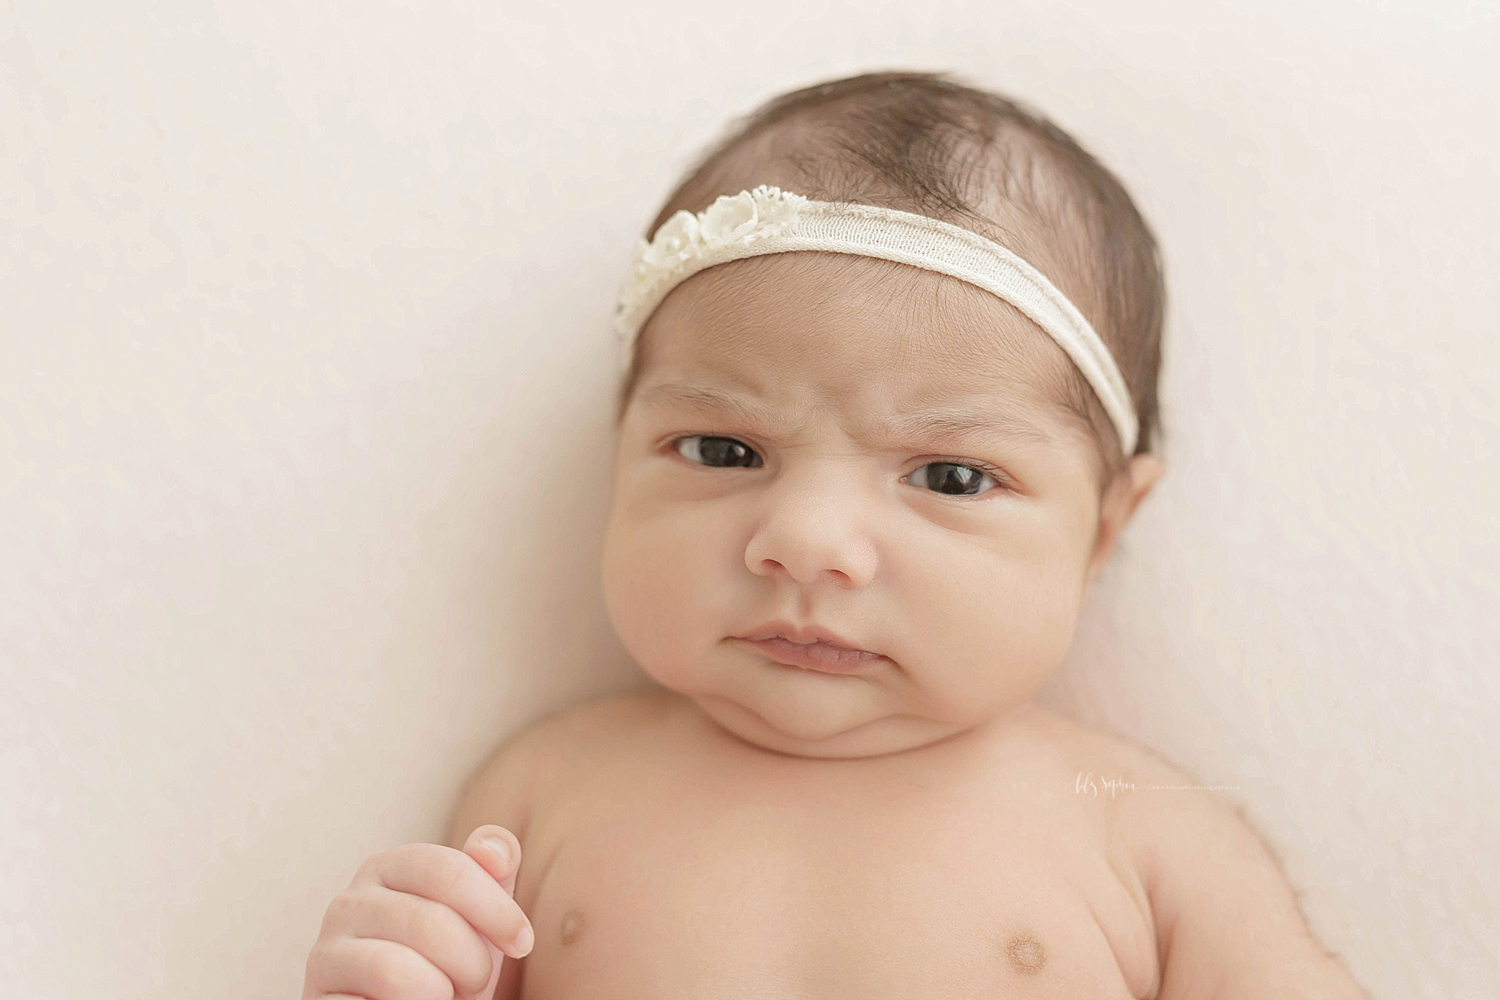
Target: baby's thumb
{"x": 498, "y": 852}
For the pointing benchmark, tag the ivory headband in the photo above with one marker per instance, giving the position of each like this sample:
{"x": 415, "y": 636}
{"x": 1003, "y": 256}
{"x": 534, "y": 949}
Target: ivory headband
{"x": 768, "y": 220}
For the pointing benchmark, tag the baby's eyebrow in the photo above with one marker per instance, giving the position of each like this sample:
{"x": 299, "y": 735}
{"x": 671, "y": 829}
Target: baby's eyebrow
{"x": 705, "y": 397}
{"x": 935, "y": 422}
{"x": 963, "y": 422}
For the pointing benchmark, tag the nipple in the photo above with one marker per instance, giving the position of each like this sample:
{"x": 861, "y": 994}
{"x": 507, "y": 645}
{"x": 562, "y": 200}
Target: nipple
{"x": 1026, "y": 954}
{"x": 573, "y": 926}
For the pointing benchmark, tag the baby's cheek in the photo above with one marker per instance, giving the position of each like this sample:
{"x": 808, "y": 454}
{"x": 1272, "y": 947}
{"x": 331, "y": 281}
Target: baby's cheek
{"x": 990, "y": 641}
{"x": 662, "y": 595}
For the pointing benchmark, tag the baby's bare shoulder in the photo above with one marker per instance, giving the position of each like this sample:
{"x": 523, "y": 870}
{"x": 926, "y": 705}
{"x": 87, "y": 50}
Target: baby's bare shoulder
{"x": 1226, "y": 918}
{"x": 1106, "y": 756}
{"x": 1149, "y": 802}
{"x": 542, "y": 754}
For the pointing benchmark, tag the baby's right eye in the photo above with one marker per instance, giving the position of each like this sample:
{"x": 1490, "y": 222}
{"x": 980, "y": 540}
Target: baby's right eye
{"x": 718, "y": 452}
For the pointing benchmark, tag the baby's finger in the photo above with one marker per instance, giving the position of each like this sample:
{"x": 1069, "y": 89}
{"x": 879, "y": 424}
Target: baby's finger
{"x": 429, "y": 928}
{"x": 377, "y": 970}
{"x": 454, "y": 879}
{"x": 497, "y": 959}
{"x": 498, "y": 851}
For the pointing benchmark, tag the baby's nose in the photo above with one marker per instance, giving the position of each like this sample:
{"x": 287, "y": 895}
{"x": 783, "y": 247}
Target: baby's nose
{"x": 813, "y": 533}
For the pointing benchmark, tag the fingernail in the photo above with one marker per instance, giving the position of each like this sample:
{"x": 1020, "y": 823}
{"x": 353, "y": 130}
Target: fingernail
{"x": 500, "y": 846}
{"x": 524, "y": 941}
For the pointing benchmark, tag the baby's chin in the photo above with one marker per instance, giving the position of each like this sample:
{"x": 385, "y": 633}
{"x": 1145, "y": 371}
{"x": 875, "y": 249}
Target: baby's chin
{"x": 786, "y": 733}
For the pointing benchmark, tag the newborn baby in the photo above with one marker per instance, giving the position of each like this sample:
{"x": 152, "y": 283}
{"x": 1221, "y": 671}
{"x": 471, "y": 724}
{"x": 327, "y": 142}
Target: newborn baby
{"x": 892, "y": 391}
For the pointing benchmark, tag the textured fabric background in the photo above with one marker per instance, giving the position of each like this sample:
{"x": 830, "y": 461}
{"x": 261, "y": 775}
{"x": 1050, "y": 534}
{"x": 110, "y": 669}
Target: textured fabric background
{"x": 305, "y": 431}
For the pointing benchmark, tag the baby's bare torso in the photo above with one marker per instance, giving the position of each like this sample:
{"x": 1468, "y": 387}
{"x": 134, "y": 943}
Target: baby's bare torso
{"x": 666, "y": 858}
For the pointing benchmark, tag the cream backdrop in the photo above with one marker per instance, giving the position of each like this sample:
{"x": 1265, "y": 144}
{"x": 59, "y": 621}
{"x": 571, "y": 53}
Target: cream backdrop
{"x": 305, "y": 425}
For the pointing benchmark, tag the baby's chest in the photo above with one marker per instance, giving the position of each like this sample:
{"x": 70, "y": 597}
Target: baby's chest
{"x": 745, "y": 895}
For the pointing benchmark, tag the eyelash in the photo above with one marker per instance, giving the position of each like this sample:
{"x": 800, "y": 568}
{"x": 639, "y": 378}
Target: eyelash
{"x": 997, "y": 476}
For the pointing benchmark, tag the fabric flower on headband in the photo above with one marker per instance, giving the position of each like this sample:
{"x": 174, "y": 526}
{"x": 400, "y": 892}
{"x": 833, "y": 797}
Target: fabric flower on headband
{"x": 688, "y": 242}
{"x": 676, "y": 240}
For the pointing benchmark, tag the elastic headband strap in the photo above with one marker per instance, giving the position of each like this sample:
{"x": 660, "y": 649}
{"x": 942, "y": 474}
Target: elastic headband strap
{"x": 769, "y": 220}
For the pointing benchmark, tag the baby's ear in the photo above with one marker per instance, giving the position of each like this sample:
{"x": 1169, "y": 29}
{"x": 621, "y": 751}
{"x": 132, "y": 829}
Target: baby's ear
{"x": 1121, "y": 499}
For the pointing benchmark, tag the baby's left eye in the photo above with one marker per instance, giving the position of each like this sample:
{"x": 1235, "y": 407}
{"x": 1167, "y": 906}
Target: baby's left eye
{"x": 951, "y": 478}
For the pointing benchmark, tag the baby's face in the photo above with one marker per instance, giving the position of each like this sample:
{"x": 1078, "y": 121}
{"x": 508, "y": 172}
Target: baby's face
{"x": 774, "y": 465}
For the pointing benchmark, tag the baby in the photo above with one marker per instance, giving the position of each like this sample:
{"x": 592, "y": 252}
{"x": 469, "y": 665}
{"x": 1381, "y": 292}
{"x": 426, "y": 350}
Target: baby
{"x": 891, "y": 398}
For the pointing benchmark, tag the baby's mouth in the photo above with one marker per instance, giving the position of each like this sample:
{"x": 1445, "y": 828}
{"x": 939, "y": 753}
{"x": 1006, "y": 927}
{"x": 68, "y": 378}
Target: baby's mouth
{"x": 825, "y": 657}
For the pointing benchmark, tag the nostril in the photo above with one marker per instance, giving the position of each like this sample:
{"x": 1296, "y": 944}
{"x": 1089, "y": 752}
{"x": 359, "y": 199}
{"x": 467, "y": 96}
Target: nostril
{"x": 837, "y": 577}
{"x": 767, "y": 567}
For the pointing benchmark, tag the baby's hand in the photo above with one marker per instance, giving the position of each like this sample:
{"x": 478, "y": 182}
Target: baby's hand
{"x": 423, "y": 922}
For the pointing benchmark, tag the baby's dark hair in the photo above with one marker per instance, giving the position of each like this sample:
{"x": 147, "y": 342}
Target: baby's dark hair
{"x": 926, "y": 143}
